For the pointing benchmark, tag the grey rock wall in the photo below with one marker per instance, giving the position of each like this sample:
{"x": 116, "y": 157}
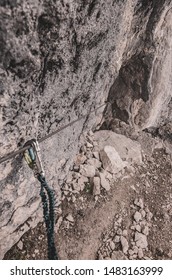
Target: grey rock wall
{"x": 58, "y": 61}
{"x": 142, "y": 91}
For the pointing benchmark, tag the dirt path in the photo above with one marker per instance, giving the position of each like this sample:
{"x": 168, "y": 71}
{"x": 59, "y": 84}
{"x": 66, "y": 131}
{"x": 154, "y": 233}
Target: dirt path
{"x": 84, "y": 239}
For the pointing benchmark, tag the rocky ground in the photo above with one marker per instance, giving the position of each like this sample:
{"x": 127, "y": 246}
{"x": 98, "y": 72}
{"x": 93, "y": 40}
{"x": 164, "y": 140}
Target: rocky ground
{"x": 116, "y": 203}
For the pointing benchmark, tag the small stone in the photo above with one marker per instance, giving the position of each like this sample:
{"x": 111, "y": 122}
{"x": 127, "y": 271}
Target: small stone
{"x": 143, "y": 223}
{"x": 76, "y": 168}
{"x": 117, "y": 239}
{"x": 119, "y": 231}
{"x": 138, "y": 228}
{"x": 135, "y": 249}
{"x": 124, "y": 244}
{"x": 131, "y": 252}
{"x": 111, "y": 160}
{"x": 125, "y": 233}
{"x": 137, "y": 216}
{"x": 133, "y": 188}
{"x": 96, "y": 188}
{"x": 143, "y": 213}
{"x": 69, "y": 177}
{"x": 91, "y": 133}
{"x": 87, "y": 170}
{"x": 36, "y": 251}
{"x": 80, "y": 159}
{"x": 136, "y": 201}
{"x": 76, "y": 186}
{"x": 65, "y": 193}
{"x": 145, "y": 230}
{"x": 81, "y": 182}
{"x": 133, "y": 227}
{"x": 139, "y": 202}
{"x": 75, "y": 175}
{"x": 140, "y": 253}
{"x": 89, "y": 145}
{"x": 134, "y": 256}
{"x": 58, "y": 224}
{"x": 20, "y": 245}
{"x": 112, "y": 245}
{"x": 66, "y": 224}
{"x": 104, "y": 183}
{"x": 70, "y": 218}
{"x": 95, "y": 162}
{"x": 141, "y": 240}
{"x": 119, "y": 221}
{"x": 149, "y": 216}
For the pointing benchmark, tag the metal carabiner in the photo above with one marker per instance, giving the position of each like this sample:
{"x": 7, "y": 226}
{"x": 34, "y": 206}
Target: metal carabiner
{"x": 32, "y": 157}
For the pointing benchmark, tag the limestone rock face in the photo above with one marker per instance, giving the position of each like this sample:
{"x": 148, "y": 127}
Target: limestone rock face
{"x": 58, "y": 61}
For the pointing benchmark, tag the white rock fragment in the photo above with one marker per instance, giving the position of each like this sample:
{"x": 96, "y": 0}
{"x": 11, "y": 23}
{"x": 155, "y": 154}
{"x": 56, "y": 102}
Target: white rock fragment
{"x": 124, "y": 244}
{"x": 135, "y": 249}
{"x": 140, "y": 253}
{"x": 69, "y": 177}
{"x": 87, "y": 170}
{"x": 145, "y": 230}
{"x": 133, "y": 227}
{"x": 70, "y": 218}
{"x": 89, "y": 145}
{"x": 117, "y": 239}
{"x": 95, "y": 162}
{"x": 111, "y": 160}
{"x": 119, "y": 221}
{"x": 112, "y": 245}
{"x": 96, "y": 188}
{"x": 104, "y": 183}
{"x": 76, "y": 186}
{"x": 80, "y": 159}
{"x": 149, "y": 216}
{"x": 137, "y": 217}
{"x": 141, "y": 240}
{"x": 119, "y": 231}
{"x": 82, "y": 181}
{"x": 143, "y": 213}
{"x": 139, "y": 202}
{"x": 125, "y": 233}
{"x": 138, "y": 228}
{"x": 20, "y": 245}
{"x": 58, "y": 224}
{"x": 131, "y": 252}
{"x": 76, "y": 168}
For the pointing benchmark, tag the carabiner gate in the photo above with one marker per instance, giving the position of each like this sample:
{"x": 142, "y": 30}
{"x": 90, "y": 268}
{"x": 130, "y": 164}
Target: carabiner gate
{"x": 32, "y": 157}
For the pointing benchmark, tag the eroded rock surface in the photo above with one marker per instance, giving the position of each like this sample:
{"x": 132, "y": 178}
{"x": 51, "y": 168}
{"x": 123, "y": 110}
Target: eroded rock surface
{"x": 59, "y": 60}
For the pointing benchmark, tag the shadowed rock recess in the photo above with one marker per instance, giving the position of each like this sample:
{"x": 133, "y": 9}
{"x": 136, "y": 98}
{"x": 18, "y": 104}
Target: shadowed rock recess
{"x": 61, "y": 59}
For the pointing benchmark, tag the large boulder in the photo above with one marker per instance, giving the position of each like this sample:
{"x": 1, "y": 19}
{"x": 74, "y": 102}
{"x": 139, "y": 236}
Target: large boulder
{"x": 111, "y": 160}
{"x": 117, "y": 150}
